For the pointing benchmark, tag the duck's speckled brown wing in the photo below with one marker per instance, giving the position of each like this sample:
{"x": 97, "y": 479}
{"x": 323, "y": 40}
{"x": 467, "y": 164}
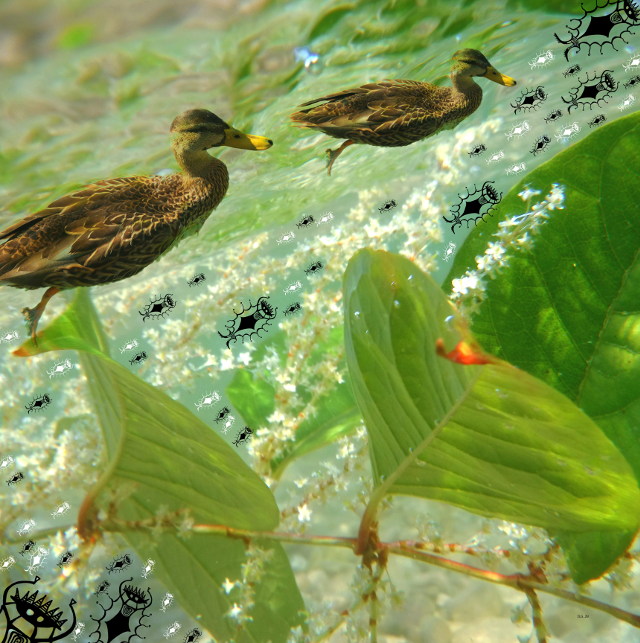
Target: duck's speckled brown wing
{"x": 107, "y": 231}
{"x": 388, "y": 113}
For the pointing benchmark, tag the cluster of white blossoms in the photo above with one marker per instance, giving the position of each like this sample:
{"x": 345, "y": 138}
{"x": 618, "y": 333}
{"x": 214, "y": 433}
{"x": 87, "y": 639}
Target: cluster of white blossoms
{"x": 514, "y": 234}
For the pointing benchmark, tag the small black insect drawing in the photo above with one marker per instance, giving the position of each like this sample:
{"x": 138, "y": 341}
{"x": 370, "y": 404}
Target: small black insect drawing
{"x": 293, "y": 308}
{"x": 118, "y": 564}
{"x": 27, "y": 547}
{"x": 389, "y": 205}
{"x": 306, "y": 220}
{"x": 123, "y": 616}
{"x": 592, "y": 94}
{"x": 473, "y": 207}
{"x": 38, "y": 403}
{"x": 598, "y": 120}
{"x": 243, "y": 436}
{"x": 478, "y": 149}
{"x": 196, "y": 279}
{"x": 623, "y": 13}
{"x": 138, "y": 358}
{"x": 65, "y": 559}
{"x": 540, "y": 145}
{"x": 530, "y": 99}
{"x": 158, "y": 307}
{"x": 571, "y": 71}
{"x": 102, "y": 587}
{"x": 553, "y": 116}
{"x": 632, "y": 82}
{"x": 15, "y": 478}
{"x": 316, "y": 266}
{"x": 250, "y": 322}
{"x": 222, "y": 414}
{"x": 30, "y": 618}
{"x": 193, "y": 636}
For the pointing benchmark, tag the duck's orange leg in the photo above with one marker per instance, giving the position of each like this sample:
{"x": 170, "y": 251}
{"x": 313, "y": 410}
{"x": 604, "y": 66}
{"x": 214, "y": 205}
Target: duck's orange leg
{"x": 32, "y": 315}
{"x": 334, "y": 154}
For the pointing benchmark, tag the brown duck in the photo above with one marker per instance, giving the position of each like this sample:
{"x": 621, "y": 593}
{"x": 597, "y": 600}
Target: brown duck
{"x": 393, "y": 113}
{"x": 112, "y": 229}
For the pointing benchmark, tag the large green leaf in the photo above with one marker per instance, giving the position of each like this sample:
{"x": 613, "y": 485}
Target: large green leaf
{"x": 161, "y": 457}
{"x": 491, "y": 439}
{"x": 567, "y": 310}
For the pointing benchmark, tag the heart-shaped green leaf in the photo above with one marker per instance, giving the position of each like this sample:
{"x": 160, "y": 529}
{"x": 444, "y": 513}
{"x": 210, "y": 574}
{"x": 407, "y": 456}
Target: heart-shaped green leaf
{"x": 163, "y": 459}
{"x": 489, "y": 438}
{"x": 566, "y": 311}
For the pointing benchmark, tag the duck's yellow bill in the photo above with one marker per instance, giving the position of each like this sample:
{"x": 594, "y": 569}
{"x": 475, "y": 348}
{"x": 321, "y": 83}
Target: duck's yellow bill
{"x": 494, "y": 75}
{"x": 236, "y": 138}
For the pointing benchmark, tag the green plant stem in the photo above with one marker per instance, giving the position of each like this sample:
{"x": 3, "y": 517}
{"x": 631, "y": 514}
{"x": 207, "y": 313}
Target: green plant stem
{"x": 331, "y": 541}
{"x": 516, "y": 581}
{"x": 536, "y": 615}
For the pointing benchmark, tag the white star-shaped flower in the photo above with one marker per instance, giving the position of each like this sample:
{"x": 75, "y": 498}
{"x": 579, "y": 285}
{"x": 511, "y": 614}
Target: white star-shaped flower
{"x": 304, "y": 513}
{"x": 235, "y": 611}
{"x": 228, "y": 585}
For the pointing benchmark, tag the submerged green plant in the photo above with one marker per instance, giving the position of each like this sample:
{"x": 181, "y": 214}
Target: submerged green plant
{"x": 444, "y": 419}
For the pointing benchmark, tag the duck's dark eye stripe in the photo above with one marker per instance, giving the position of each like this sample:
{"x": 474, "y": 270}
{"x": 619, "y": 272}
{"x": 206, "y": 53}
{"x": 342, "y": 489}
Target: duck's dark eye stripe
{"x": 198, "y": 129}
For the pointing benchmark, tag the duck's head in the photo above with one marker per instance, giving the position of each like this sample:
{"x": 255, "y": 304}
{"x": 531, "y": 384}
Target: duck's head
{"x": 471, "y": 62}
{"x": 200, "y": 129}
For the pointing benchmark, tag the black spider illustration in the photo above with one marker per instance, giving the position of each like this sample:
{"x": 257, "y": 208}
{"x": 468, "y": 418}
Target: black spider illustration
{"x": 27, "y": 547}
{"x": 249, "y": 322}
{"x": 38, "y": 403}
{"x": 293, "y": 308}
{"x": 530, "y": 99}
{"x": 571, "y": 71}
{"x": 624, "y": 13}
{"x": 632, "y": 82}
{"x": 540, "y": 145}
{"x": 590, "y": 95}
{"x": 243, "y": 436}
{"x": 553, "y": 116}
{"x": 307, "y": 220}
{"x": 389, "y": 205}
{"x": 196, "y": 279}
{"x": 193, "y": 636}
{"x": 473, "y": 208}
{"x": 123, "y": 616}
{"x": 30, "y": 618}
{"x": 65, "y": 559}
{"x": 102, "y": 587}
{"x": 316, "y": 266}
{"x": 158, "y": 307}
{"x": 118, "y": 564}
{"x": 138, "y": 358}
{"x": 477, "y": 150}
{"x": 598, "y": 120}
{"x": 15, "y": 478}
{"x": 222, "y": 414}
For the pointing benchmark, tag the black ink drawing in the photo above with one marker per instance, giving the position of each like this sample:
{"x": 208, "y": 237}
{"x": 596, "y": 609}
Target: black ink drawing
{"x": 196, "y": 279}
{"x": 470, "y": 208}
{"x": 249, "y": 322}
{"x": 530, "y": 100}
{"x": 624, "y": 14}
{"x": 592, "y": 94}
{"x": 158, "y": 307}
{"x": 243, "y": 436}
{"x": 38, "y": 403}
{"x": 32, "y": 619}
{"x": 123, "y": 616}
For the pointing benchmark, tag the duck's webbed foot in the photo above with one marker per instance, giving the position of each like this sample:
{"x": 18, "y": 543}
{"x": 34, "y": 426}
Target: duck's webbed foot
{"x": 334, "y": 154}
{"x": 32, "y": 315}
